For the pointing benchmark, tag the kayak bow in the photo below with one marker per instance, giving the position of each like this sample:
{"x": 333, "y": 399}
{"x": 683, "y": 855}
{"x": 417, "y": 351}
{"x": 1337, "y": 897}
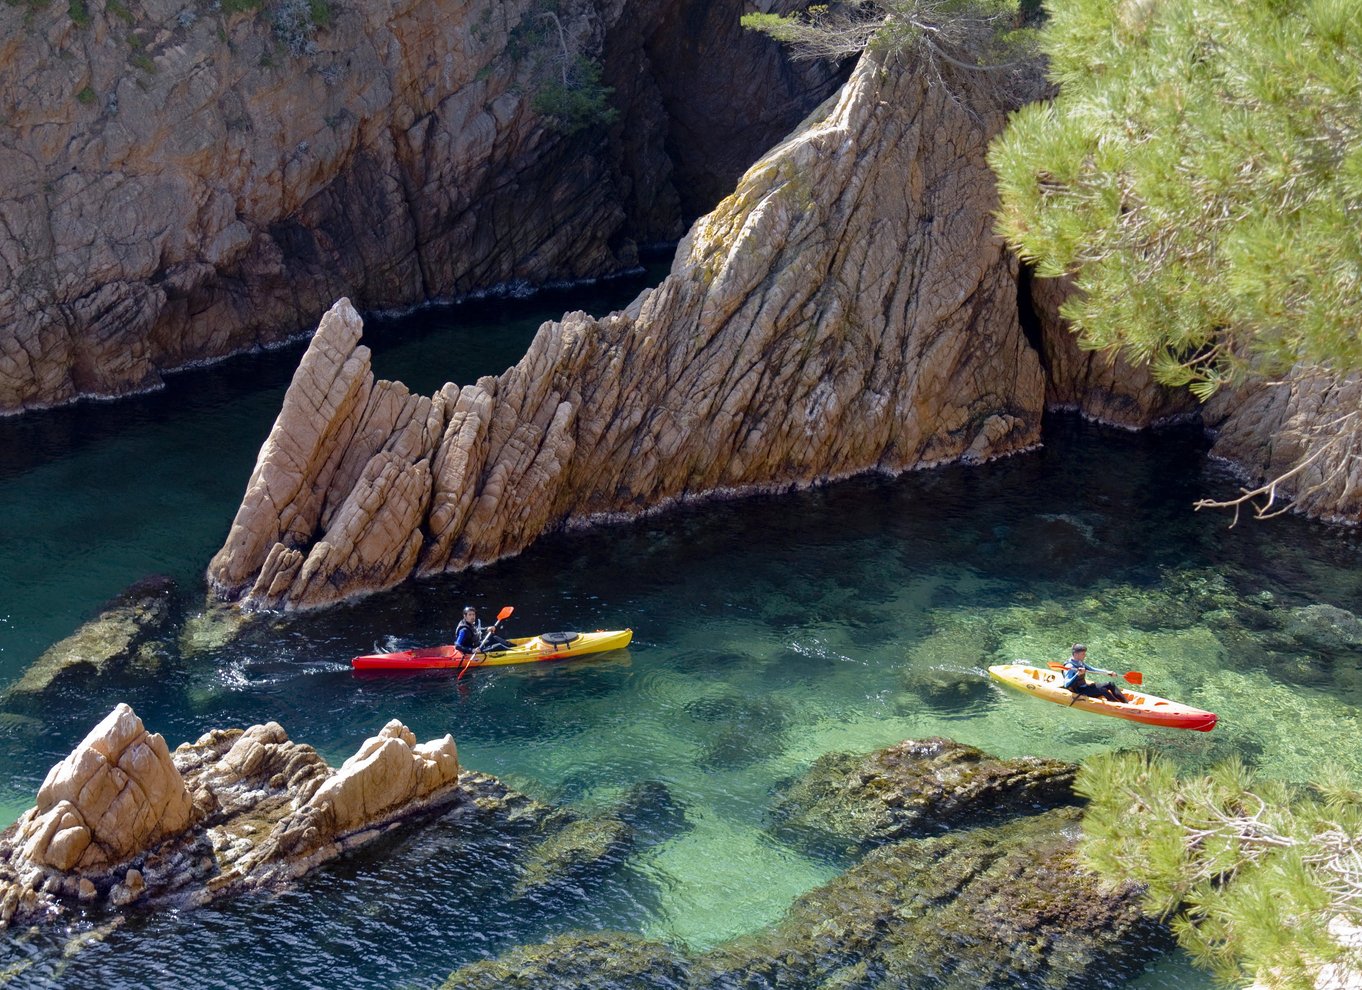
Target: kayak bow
{"x": 532, "y": 649}
{"x": 1048, "y": 686}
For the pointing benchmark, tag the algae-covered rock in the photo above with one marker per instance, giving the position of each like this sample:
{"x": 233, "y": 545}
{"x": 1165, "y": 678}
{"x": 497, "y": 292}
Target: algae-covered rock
{"x": 1326, "y": 628}
{"x": 123, "y": 633}
{"x": 911, "y": 788}
{"x": 1005, "y": 906}
{"x": 742, "y": 729}
{"x": 578, "y": 961}
{"x": 574, "y": 850}
{"x": 946, "y": 668}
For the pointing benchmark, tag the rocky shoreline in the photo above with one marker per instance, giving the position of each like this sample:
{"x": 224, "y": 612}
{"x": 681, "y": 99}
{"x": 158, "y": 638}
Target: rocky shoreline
{"x": 963, "y": 865}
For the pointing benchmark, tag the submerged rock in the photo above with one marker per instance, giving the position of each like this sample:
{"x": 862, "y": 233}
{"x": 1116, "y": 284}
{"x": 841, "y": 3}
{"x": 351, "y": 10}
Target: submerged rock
{"x": 578, "y": 961}
{"x": 122, "y": 821}
{"x": 846, "y": 309}
{"x": 914, "y": 788}
{"x": 125, "y": 632}
{"x": 980, "y": 908}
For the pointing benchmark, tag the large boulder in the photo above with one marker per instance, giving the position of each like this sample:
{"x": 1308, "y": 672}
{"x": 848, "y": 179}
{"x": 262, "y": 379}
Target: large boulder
{"x": 915, "y": 787}
{"x": 117, "y": 794}
{"x": 846, "y": 309}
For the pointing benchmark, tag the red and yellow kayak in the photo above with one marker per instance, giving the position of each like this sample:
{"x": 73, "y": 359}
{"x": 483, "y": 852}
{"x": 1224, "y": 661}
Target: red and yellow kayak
{"x": 1146, "y": 708}
{"x": 532, "y": 649}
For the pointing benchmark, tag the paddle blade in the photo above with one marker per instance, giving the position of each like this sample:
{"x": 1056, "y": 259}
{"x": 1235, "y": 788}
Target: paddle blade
{"x": 1135, "y": 677}
{"x": 505, "y": 613}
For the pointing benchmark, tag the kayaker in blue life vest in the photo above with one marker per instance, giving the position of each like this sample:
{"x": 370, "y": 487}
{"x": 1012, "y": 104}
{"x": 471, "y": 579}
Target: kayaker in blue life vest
{"x": 1076, "y": 680}
{"x": 471, "y": 637}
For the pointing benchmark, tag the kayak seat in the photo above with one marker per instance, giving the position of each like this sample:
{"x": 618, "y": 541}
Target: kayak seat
{"x": 559, "y": 638}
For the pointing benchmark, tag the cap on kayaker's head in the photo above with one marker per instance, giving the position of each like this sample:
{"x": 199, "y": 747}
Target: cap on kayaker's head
{"x": 1079, "y": 648}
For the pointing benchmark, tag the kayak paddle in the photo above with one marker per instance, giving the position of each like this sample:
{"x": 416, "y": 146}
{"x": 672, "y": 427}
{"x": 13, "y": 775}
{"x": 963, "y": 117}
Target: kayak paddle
{"x": 504, "y": 614}
{"x": 1133, "y": 676}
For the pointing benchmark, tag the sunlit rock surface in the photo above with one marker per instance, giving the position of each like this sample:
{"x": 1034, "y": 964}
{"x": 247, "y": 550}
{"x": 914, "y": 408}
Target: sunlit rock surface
{"x": 846, "y": 309}
{"x": 124, "y": 821}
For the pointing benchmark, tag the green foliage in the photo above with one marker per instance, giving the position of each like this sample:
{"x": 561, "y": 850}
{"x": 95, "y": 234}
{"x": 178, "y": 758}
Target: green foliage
{"x": 86, "y": 96}
{"x": 1250, "y": 871}
{"x": 580, "y": 102}
{"x": 1200, "y": 174}
{"x": 79, "y": 12}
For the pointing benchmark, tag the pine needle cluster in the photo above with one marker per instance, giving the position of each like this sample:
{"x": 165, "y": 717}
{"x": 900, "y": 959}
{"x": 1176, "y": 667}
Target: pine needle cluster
{"x": 1200, "y": 174}
{"x": 1255, "y": 875}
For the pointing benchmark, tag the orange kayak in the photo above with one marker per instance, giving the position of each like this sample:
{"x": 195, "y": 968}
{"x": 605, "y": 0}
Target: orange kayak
{"x": 1146, "y": 708}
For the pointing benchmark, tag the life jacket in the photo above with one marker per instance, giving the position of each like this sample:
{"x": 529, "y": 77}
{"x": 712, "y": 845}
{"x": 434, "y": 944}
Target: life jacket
{"x": 466, "y": 636}
{"x": 1075, "y": 673}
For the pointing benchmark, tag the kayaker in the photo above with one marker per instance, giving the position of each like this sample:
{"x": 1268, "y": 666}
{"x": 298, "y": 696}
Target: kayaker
{"x": 1075, "y": 677}
{"x": 471, "y": 637}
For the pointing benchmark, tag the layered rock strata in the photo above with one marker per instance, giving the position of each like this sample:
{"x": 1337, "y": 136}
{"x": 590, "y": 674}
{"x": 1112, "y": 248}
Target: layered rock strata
{"x": 186, "y": 182}
{"x": 846, "y": 309}
{"x": 122, "y": 820}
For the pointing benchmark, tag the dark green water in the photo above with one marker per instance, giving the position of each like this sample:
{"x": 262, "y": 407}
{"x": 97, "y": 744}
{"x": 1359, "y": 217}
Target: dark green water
{"x": 768, "y": 631}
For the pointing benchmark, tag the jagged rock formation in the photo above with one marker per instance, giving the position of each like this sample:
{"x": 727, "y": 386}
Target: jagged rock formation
{"x": 121, "y": 820}
{"x": 182, "y": 183}
{"x": 846, "y": 309}
{"x": 116, "y": 794}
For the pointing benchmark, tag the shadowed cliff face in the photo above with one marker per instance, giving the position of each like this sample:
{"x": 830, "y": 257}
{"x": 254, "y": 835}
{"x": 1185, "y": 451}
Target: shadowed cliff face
{"x": 846, "y": 309}
{"x": 184, "y": 183}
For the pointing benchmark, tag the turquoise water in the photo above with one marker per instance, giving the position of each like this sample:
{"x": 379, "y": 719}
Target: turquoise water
{"x": 768, "y": 631}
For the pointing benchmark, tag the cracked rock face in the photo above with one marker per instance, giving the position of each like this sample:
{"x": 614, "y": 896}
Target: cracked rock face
{"x": 116, "y": 794}
{"x": 187, "y": 183}
{"x": 846, "y": 309}
{"x": 1268, "y": 429}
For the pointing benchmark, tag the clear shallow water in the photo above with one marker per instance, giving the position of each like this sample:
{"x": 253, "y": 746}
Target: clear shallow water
{"x": 768, "y": 631}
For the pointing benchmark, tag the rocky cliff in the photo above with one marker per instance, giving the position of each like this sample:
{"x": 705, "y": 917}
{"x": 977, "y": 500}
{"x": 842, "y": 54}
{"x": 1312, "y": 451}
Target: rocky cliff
{"x": 183, "y": 182}
{"x": 846, "y": 309}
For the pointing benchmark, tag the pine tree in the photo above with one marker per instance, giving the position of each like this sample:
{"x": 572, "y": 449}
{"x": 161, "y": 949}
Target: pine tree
{"x": 1251, "y": 872}
{"x": 1200, "y": 174}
